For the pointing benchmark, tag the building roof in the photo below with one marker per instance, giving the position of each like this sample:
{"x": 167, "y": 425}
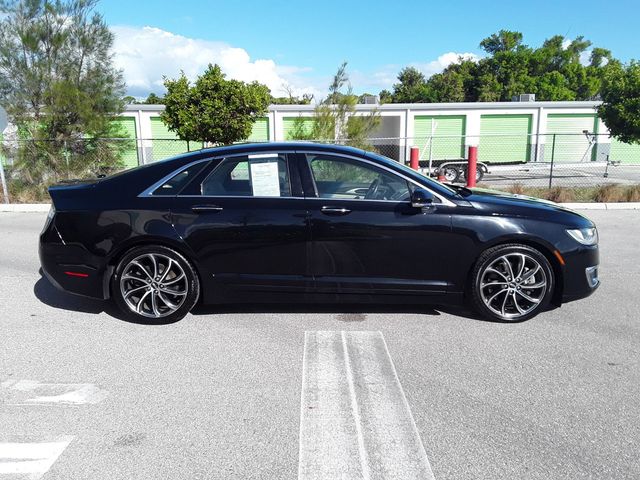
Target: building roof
{"x": 414, "y": 106}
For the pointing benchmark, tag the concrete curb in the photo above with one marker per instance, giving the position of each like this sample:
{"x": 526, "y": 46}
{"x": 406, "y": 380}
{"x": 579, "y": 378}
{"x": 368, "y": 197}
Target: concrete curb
{"x": 24, "y": 207}
{"x": 44, "y": 207}
{"x": 603, "y": 206}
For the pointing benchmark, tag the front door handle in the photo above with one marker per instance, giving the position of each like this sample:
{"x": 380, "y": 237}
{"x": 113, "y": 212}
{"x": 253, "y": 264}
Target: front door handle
{"x": 206, "y": 208}
{"x": 335, "y": 210}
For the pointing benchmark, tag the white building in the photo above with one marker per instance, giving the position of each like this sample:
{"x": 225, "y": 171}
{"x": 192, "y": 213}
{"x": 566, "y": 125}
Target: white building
{"x": 503, "y": 131}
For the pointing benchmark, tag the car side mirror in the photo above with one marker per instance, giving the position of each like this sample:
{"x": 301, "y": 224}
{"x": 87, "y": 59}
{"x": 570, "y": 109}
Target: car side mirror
{"x": 421, "y": 198}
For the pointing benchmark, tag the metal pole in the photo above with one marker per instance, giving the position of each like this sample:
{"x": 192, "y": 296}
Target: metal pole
{"x": 3, "y": 180}
{"x": 472, "y": 166}
{"x": 553, "y": 154}
{"x": 414, "y": 158}
{"x": 430, "y": 155}
{"x": 433, "y": 131}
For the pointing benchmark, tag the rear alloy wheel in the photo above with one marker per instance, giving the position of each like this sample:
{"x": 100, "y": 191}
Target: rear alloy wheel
{"x": 155, "y": 283}
{"x": 512, "y": 283}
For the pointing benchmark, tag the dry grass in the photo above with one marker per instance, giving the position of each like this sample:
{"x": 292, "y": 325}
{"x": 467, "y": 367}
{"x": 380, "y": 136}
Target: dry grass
{"x": 633, "y": 193}
{"x": 561, "y": 194}
{"x": 603, "y": 193}
{"x": 517, "y": 189}
{"x": 23, "y": 193}
{"x": 609, "y": 193}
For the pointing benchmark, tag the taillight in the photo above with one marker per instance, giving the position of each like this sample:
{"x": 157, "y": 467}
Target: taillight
{"x": 50, "y": 215}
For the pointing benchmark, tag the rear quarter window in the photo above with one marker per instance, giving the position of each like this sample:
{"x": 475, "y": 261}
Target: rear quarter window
{"x": 175, "y": 184}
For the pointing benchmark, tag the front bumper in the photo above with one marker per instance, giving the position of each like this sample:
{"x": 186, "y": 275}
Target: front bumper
{"x": 581, "y": 273}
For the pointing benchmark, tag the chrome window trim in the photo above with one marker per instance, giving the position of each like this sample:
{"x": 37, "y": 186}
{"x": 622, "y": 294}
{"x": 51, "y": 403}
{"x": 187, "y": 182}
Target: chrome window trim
{"x": 327, "y": 200}
{"x": 149, "y": 191}
{"x": 445, "y": 201}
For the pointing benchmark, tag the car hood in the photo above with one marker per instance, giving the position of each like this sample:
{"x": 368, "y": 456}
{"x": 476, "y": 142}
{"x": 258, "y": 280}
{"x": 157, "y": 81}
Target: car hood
{"x": 503, "y": 203}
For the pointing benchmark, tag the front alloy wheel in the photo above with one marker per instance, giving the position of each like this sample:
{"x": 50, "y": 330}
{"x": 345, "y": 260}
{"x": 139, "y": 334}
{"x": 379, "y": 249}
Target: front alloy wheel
{"x": 155, "y": 283}
{"x": 512, "y": 283}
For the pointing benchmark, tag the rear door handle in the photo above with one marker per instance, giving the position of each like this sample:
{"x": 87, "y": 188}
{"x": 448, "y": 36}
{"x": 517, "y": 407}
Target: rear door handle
{"x": 335, "y": 210}
{"x": 206, "y": 208}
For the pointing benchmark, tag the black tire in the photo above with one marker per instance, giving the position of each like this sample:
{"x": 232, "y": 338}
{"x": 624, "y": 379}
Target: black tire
{"x": 498, "y": 296}
{"x": 181, "y": 293}
{"x": 479, "y": 174}
{"x": 451, "y": 173}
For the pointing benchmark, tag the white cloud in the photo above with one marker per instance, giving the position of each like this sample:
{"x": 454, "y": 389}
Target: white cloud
{"x": 387, "y": 75}
{"x": 443, "y": 61}
{"x": 146, "y": 54}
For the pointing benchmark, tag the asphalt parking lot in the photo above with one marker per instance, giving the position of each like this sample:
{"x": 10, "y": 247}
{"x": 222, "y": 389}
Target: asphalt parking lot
{"x": 218, "y": 394}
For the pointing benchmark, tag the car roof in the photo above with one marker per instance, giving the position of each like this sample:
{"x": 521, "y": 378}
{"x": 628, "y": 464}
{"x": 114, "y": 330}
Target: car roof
{"x": 285, "y": 146}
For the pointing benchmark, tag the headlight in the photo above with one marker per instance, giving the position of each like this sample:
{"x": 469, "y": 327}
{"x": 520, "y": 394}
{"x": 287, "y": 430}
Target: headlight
{"x": 585, "y": 236}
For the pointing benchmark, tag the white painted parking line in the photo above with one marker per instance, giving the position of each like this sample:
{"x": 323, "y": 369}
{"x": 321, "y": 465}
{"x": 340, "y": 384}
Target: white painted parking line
{"x": 30, "y": 392}
{"x": 355, "y": 422}
{"x": 30, "y": 460}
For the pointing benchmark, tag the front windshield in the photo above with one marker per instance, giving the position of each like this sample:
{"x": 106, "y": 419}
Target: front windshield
{"x": 411, "y": 171}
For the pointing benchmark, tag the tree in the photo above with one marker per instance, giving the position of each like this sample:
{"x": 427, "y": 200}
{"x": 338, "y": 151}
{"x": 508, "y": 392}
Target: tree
{"x": 386, "y": 96}
{"x": 557, "y": 70}
{"x": 503, "y": 41}
{"x": 59, "y": 88}
{"x": 620, "y": 108}
{"x": 153, "y": 99}
{"x": 213, "y": 110}
{"x": 291, "y": 99}
{"x": 448, "y": 87}
{"x": 335, "y": 117}
{"x": 412, "y": 87}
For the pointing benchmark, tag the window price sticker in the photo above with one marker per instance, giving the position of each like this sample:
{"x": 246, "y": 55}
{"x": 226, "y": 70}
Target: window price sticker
{"x": 265, "y": 180}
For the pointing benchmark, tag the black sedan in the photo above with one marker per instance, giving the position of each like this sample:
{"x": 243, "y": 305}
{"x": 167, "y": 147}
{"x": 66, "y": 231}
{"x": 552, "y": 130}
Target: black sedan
{"x": 308, "y": 222}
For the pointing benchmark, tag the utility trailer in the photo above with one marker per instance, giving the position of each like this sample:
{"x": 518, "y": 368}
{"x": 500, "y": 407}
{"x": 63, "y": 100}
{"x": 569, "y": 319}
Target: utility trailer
{"x": 456, "y": 170}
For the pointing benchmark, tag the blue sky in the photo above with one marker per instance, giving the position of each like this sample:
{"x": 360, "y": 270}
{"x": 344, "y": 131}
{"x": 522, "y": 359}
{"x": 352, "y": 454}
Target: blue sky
{"x": 301, "y": 44}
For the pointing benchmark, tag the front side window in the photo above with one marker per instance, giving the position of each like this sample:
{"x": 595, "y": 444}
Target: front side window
{"x": 344, "y": 178}
{"x": 264, "y": 175}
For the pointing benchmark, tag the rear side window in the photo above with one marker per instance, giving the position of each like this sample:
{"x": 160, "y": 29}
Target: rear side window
{"x": 265, "y": 175}
{"x": 174, "y": 185}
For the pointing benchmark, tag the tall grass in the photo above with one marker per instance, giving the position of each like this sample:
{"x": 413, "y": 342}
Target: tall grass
{"x": 602, "y": 193}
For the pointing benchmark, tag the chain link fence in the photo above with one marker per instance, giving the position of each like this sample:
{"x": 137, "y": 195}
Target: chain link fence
{"x": 560, "y": 166}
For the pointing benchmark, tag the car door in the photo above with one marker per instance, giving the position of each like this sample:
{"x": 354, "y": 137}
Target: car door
{"x": 244, "y": 218}
{"x": 366, "y": 236}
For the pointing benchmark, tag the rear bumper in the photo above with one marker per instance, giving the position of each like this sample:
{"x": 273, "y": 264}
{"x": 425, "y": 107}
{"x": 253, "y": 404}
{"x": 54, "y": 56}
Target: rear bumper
{"x": 581, "y": 273}
{"x": 71, "y": 269}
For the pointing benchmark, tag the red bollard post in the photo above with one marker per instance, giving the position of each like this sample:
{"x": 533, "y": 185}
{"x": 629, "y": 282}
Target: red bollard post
{"x": 414, "y": 158}
{"x": 472, "y": 166}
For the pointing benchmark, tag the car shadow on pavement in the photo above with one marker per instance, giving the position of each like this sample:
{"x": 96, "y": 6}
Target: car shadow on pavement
{"x": 347, "y": 312}
{"x": 48, "y": 294}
